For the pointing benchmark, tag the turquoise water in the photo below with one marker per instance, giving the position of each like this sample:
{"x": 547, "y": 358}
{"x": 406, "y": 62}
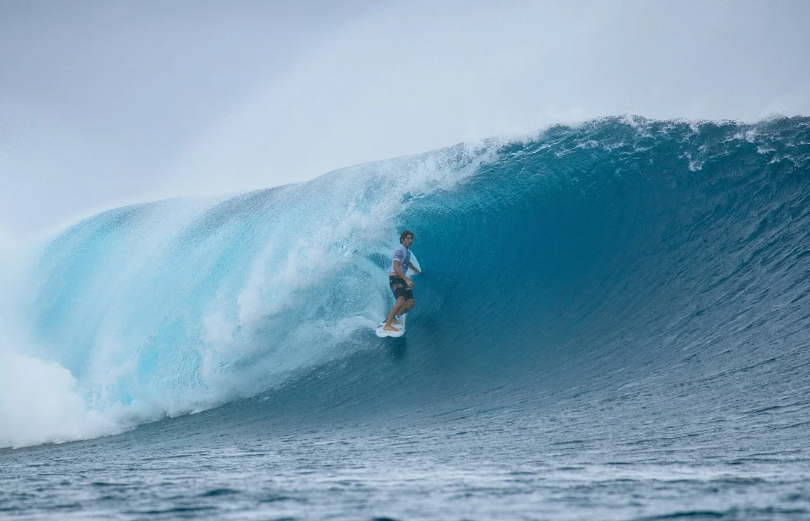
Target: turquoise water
{"x": 613, "y": 323}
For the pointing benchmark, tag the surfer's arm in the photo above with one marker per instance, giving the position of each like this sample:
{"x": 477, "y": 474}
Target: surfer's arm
{"x": 398, "y": 271}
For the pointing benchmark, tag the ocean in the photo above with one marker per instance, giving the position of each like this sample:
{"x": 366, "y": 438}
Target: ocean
{"x": 613, "y": 323}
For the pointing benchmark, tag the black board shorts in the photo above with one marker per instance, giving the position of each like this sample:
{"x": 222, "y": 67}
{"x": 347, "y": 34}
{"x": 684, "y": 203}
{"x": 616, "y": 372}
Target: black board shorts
{"x": 400, "y": 288}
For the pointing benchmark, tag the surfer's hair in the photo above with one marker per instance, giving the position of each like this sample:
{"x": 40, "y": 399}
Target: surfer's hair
{"x": 404, "y": 234}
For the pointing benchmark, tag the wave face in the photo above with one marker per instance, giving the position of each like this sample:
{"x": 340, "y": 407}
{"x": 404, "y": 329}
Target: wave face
{"x": 621, "y": 252}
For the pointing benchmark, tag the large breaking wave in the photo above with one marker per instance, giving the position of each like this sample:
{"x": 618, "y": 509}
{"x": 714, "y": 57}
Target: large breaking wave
{"x": 618, "y": 252}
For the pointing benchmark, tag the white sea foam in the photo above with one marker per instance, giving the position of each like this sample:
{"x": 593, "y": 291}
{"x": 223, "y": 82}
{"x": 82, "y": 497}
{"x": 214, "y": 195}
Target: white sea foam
{"x": 40, "y": 402}
{"x": 187, "y": 305}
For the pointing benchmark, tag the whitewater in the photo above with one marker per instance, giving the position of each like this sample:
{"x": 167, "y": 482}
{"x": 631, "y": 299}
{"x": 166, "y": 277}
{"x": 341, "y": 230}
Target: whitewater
{"x": 612, "y": 323}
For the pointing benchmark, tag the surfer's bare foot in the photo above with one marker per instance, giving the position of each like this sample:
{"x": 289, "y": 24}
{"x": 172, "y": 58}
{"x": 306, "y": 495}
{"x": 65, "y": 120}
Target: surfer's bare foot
{"x": 396, "y": 322}
{"x": 389, "y": 328}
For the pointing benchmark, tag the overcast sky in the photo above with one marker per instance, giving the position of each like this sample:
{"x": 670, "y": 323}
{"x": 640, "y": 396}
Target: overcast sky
{"x": 105, "y": 102}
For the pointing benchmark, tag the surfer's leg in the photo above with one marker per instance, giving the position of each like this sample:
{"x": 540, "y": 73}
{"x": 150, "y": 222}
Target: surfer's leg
{"x": 407, "y": 294}
{"x": 407, "y": 306}
{"x": 394, "y": 312}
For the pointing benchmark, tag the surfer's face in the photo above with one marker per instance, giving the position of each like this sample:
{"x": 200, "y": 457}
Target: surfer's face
{"x": 407, "y": 241}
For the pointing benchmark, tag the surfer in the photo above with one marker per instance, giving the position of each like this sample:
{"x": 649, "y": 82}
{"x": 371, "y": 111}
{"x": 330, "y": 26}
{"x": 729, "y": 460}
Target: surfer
{"x": 400, "y": 284}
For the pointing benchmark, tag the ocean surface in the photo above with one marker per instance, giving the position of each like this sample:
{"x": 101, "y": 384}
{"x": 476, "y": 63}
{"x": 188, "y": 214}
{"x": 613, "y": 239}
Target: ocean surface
{"x": 613, "y": 323}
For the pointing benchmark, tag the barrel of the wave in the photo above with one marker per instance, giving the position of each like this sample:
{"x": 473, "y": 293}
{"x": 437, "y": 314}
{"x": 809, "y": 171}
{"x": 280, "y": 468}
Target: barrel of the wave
{"x": 383, "y": 333}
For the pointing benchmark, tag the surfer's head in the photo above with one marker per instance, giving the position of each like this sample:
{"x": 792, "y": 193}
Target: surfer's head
{"x": 406, "y": 235}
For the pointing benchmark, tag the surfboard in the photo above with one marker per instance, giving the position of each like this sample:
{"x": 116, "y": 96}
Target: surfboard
{"x": 415, "y": 264}
{"x": 382, "y": 333}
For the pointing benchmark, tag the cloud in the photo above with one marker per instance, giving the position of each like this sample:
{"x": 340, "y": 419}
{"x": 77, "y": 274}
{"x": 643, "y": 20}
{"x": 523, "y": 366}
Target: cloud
{"x": 409, "y": 79}
{"x": 313, "y": 95}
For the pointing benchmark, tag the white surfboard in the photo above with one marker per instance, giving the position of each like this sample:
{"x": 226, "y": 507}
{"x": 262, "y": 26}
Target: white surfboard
{"x": 415, "y": 264}
{"x": 382, "y": 333}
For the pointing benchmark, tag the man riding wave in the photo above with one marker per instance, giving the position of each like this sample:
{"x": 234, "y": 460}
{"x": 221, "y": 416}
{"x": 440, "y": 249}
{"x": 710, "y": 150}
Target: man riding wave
{"x": 401, "y": 285}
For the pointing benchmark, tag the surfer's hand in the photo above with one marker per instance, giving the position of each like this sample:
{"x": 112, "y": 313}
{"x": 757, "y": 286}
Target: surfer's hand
{"x": 410, "y": 282}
